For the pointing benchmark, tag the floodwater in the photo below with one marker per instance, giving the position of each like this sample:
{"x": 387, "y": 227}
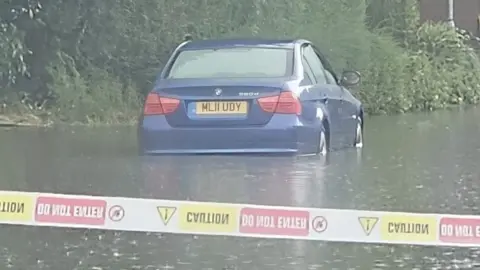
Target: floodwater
{"x": 414, "y": 163}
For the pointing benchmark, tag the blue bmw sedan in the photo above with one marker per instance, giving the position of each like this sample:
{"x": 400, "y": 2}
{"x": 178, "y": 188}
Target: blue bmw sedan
{"x": 250, "y": 96}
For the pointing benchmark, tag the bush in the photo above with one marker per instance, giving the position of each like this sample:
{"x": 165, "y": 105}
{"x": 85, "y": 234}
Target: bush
{"x": 434, "y": 69}
{"x": 92, "y": 97}
{"x": 385, "y": 78}
{"x": 443, "y": 68}
{"x": 98, "y": 59}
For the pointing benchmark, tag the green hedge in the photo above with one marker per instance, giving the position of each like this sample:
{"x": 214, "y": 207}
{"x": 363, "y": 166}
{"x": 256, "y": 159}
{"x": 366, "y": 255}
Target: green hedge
{"x": 94, "y": 63}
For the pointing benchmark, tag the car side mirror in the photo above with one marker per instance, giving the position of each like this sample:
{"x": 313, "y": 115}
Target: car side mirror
{"x": 350, "y": 78}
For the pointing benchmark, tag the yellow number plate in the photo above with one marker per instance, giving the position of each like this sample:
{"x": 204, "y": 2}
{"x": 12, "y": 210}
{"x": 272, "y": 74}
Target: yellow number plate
{"x": 222, "y": 107}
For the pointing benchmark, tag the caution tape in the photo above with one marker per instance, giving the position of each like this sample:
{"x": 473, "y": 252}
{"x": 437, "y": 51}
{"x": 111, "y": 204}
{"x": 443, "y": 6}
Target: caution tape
{"x": 242, "y": 220}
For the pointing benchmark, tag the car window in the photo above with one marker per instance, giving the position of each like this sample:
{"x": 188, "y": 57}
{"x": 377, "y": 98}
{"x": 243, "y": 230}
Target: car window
{"x": 307, "y": 79}
{"x": 330, "y": 78}
{"x": 329, "y": 73}
{"x": 307, "y": 73}
{"x": 315, "y": 63}
{"x": 233, "y": 63}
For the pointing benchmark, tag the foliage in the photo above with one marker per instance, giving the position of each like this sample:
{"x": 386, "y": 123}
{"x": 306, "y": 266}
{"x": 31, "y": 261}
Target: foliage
{"x": 92, "y": 62}
{"x": 12, "y": 43}
{"x": 82, "y": 97}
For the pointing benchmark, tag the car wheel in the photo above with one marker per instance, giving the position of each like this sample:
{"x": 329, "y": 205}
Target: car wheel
{"x": 358, "y": 143}
{"x": 322, "y": 144}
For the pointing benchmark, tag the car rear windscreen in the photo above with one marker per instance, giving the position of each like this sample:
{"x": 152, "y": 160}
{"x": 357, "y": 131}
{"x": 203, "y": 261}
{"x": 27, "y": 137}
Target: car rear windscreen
{"x": 232, "y": 63}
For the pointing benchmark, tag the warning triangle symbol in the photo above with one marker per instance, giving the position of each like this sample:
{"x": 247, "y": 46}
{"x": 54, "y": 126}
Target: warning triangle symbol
{"x": 166, "y": 213}
{"x": 368, "y": 223}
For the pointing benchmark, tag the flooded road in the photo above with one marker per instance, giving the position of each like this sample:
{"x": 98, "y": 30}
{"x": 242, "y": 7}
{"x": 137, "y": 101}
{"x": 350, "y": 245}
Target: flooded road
{"x": 412, "y": 163}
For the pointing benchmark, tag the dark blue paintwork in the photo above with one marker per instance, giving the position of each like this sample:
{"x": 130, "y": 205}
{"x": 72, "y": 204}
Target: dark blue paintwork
{"x": 259, "y": 131}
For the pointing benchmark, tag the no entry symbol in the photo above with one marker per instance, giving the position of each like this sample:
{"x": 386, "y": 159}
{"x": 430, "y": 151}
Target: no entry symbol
{"x": 116, "y": 213}
{"x": 319, "y": 224}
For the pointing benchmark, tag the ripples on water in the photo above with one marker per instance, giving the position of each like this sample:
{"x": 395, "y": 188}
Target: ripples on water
{"x": 421, "y": 163}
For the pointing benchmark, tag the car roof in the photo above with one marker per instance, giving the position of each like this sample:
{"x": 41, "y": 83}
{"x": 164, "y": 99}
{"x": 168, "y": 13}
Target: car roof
{"x": 228, "y": 43}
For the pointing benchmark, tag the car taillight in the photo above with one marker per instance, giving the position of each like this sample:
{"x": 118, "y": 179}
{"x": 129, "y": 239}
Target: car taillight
{"x": 268, "y": 104}
{"x": 157, "y": 105}
{"x": 285, "y": 103}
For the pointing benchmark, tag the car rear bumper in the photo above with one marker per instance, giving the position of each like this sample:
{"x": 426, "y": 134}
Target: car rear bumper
{"x": 222, "y": 151}
{"x": 283, "y": 134}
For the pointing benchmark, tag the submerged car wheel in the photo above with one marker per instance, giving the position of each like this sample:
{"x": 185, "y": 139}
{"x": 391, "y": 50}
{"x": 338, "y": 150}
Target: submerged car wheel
{"x": 322, "y": 144}
{"x": 358, "y": 143}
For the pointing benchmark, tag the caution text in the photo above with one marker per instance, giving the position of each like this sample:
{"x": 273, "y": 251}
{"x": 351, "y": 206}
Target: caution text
{"x": 460, "y": 230}
{"x": 65, "y": 210}
{"x": 69, "y": 210}
{"x": 12, "y": 207}
{"x": 408, "y": 228}
{"x": 16, "y": 208}
{"x": 207, "y": 218}
{"x": 274, "y": 221}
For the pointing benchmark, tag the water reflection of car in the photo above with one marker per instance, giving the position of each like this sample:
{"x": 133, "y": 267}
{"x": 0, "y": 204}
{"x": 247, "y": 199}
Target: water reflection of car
{"x": 256, "y": 180}
{"x": 250, "y": 96}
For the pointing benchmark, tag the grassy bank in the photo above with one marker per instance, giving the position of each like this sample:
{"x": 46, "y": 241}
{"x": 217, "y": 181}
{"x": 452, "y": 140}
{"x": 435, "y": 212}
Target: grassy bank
{"x": 97, "y": 68}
